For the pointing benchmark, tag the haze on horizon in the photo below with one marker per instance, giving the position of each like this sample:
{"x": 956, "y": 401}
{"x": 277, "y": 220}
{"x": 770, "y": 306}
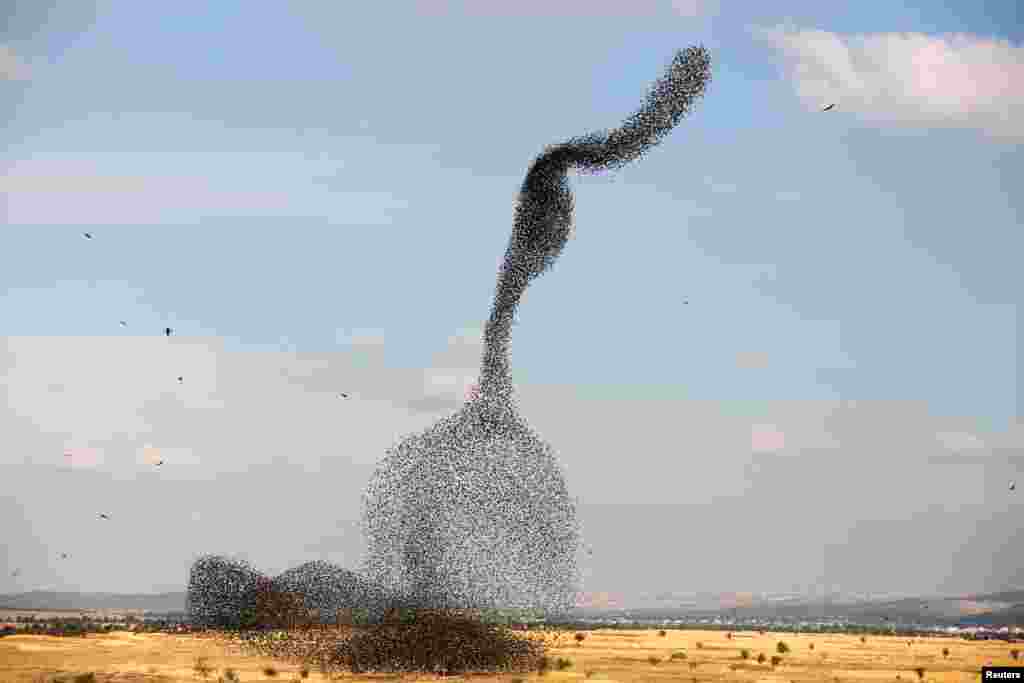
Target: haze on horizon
{"x": 810, "y": 381}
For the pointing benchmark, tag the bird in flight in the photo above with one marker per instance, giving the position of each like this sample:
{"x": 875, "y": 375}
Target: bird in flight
{"x": 167, "y": 331}
{"x": 103, "y": 515}
{"x": 87, "y": 235}
{"x": 341, "y": 395}
{"x": 160, "y": 463}
{"x": 180, "y": 379}
{"x": 123, "y": 324}
{"x": 829, "y": 107}
{"x": 1013, "y": 486}
{"x": 63, "y": 556}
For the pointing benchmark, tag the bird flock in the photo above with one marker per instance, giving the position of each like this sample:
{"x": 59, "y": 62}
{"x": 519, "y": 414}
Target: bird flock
{"x": 473, "y": 512}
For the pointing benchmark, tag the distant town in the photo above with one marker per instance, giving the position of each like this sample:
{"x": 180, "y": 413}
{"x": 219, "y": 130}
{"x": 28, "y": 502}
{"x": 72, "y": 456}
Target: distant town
{"x": 68, "y": 623}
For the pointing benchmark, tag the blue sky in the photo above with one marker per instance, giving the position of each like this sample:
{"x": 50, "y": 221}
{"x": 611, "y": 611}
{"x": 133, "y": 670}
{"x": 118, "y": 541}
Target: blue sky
{"x": 315, "y": 197}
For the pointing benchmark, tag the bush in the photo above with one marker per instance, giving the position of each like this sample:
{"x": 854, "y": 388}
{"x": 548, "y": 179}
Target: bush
{"x": 562, "y": 664}
{"x": 269, "y": 671}
{"x": 745, "y": 653}
{"x": 580, "y": 637}
{"x": 945, "y": 652}
{"x": 678, "y": 655}
{"x": 654, "y": 659}
{"x": 782, "y": 648}
{"x": 84, "y": 678}
{"x": 863, "y": 639}
{"x": 700, "y": 645}
{"x": 1014, "y": 654}
{"x": 202, "y": 667}
{"x": 728, "y": 636}
{"x": 920, "y": 672}
{"x": 776, "y": 660}
{"x": 304, "y": 672}
{"x": 423, "y": 640}
{"x": 811, "y": 646}
{"x": 661, "y": 633}
{"x": 761, "y": 658}
{"x": 230, "y": 675}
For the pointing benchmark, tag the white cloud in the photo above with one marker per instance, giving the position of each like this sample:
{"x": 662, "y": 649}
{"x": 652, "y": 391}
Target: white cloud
{"x": 908, "y": 78}
{"x": 569, "y": 8}
{"x": 767, "y": 438}
{"x": 74, "y": 192}
{"x": 12, "y": 68}
{"x": 752, "y": 360}
{"x": 960, "y": 441}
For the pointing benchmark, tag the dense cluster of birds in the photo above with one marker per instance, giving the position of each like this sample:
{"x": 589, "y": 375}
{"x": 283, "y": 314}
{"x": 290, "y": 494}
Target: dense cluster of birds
{"x": 473, "y": 513}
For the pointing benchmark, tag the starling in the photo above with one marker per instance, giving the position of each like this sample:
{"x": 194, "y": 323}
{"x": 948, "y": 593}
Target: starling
{"x": 104, "y": 516}
{"x": 87, "y": 235}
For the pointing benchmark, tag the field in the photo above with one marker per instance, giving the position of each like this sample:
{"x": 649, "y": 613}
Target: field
{"x": 605, "y": 655}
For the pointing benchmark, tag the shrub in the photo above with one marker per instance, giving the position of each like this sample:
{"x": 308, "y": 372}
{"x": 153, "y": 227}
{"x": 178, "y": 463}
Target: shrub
{"x": 776, "y": 660}
{"x": 700, "y": 645}
{"x": 920, "y": 672}
{"x": 863, "y": 639}
{"x": 202, "y": 667}
{"x": 945, "y": 652}
{"x": 230, "y": 675}
{"x": 84, "y": 678}
{"x": 761, "y": 658}
{"x": 654, "y": 659}
{"x": 678, "y": 655}
{"x": 562, "y": 664}
{"x": 782, "y": 648}
{"x": 745, "y": 653}
{"x": 728, "y": 636}
{"x": 580, "y": 637}
{"x": 1014, "y": 654}
{"x": 269, "y": 671}
{"x": 304, "y": 672}
{"x": 811, "y": 646}
{"x": 416, "y": 640}
{"x": 661, "y": 633}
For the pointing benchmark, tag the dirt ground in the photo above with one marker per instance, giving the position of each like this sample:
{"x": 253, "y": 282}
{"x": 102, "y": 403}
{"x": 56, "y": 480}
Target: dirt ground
{"x": 605, "y": 655}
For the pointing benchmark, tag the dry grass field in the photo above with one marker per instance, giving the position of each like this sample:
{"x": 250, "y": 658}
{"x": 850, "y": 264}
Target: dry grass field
{"x": 604, "y": 655}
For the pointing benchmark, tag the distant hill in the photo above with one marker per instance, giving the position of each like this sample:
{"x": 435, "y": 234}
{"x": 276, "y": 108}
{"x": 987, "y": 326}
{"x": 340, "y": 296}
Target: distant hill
{"x": 999, "y": 609}
{"x": 991, "y": 609}
{"x": 56, "y": 600}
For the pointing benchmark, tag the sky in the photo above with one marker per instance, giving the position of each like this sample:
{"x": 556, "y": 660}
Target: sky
{"x": 780, "y": 354}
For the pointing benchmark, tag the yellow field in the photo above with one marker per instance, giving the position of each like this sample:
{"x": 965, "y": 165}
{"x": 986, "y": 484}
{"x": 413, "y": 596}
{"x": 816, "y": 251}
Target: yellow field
{"x": 605, "y": 655}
